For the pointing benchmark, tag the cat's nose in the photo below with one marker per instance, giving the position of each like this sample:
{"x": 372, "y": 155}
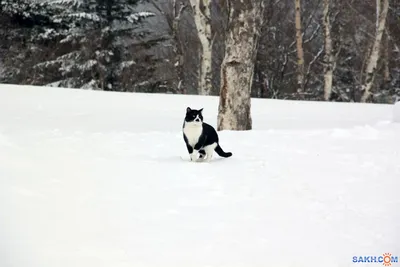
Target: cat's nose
{"x": 197, "y": 119}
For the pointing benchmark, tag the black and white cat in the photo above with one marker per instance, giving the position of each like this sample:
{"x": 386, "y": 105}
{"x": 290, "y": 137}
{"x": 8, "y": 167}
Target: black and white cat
{"x": 201, "y": 138}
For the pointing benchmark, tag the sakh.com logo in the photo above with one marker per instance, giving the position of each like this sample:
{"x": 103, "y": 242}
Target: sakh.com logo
{"x": 386, "y": 259}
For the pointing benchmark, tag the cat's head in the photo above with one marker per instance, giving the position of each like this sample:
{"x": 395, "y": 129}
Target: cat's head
{"x": 194, "y": 116}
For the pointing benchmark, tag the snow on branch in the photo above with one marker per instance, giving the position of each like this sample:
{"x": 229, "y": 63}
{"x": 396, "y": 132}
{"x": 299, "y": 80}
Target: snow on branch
{"x": 75, "y": 3}
{"x": 88, "y": 65}
{"x": 85, "y": 15}
{"x": 47, "y": 64}
{"x": 74, "y": 55}
{"x": 49, "y": 34}
{"x": 92, "y": 85}
{"x": 66, "y": 83}
{"x": 71, "y": 38}
{"x": 71, "y": 65}
{"x": 126, "y": 64}
{"x": 135, "y": 17}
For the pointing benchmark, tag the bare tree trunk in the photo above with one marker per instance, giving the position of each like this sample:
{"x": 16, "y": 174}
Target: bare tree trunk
{"x": 378, "y": 13}
{"x": 202, "y": 19}
{"x": 374, "y": 56}
{"x": 386, "y": 69}
{"x": 328, "y": 60}
{"x": 178, "y": 51}
{"x": 299, "y": 46}
{"x": 173, "y": 21}
{"x": 237, "y": 68}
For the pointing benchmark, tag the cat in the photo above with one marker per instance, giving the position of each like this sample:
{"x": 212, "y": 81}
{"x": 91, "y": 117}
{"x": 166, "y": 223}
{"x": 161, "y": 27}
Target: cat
{"x": 201, "y": 138}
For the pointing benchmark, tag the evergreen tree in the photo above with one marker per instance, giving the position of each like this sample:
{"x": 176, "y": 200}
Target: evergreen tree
{"x": 24, "y": 24}
{"x": 92, "y": 53}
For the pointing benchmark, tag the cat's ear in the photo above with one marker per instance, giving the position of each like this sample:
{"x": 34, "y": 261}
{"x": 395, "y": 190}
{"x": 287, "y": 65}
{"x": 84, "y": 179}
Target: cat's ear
{"x": 188, "y": 110}
{"x": 201, "y": 110}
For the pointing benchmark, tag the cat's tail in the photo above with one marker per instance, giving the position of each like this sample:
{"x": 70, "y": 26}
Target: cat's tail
{"x": 222, "y": 153}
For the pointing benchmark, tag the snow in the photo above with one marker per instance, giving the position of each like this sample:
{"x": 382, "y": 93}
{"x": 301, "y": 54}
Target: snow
{"x": 135, "y": 17}
{"x": 96, "y": 179}
{"x": 396, "y": 112}
{"x": 85, "y": 15}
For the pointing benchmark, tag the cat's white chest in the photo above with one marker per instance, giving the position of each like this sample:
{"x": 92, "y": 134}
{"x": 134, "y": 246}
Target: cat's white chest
{"x": 192, "y": 134}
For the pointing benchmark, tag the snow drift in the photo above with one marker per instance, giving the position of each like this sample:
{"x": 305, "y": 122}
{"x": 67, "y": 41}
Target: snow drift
{"x": 96, "y": 179}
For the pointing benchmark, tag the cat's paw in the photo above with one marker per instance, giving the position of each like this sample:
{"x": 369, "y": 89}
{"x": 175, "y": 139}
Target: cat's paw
{"x": 193, "y": 157}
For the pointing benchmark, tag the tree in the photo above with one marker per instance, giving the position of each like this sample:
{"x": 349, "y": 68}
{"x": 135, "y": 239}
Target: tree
{"x": 202, "y": 19}
{"x": 375, "y": 53}
{"x": 237, "y": 68}
{"x": 328, "y": 59}
{"x": 173, "y": 20}
{"x": 93, "y": 54}
{"x": 299, "y": 46}
{"x": 24, "y": 23}
{"x": 69, "y": 43}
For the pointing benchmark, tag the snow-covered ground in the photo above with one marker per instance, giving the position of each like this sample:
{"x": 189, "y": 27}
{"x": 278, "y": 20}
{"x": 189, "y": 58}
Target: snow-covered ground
{"x": 396, "y": 112}
{"x": 96, "y": 179}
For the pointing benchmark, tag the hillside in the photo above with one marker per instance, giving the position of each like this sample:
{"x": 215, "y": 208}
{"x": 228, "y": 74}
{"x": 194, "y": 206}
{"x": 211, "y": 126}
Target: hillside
{"x": 101, "y": 179}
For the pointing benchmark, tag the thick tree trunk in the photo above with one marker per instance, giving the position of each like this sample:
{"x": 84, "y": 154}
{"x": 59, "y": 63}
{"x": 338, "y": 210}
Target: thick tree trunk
{"x": 237, "y": 68}
{"x": 374, "y": 56}
{"x": 202, "y": 19}
{"x": 299, "y": 46}
{"x": 328, "y": 60}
